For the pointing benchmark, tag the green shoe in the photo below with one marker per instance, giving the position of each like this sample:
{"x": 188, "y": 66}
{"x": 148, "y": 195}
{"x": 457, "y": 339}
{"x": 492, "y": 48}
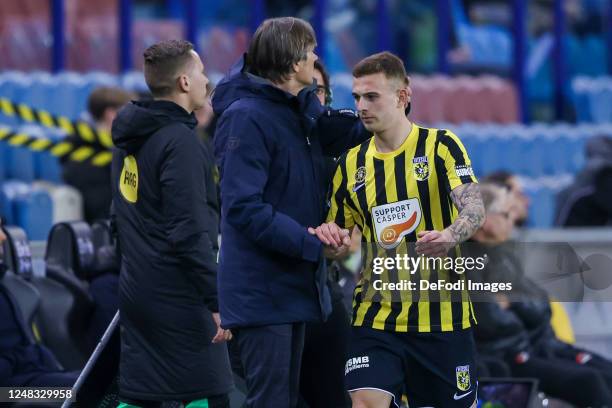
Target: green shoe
{"x": 203, "y": 403}
{"x": 124, "y": 405}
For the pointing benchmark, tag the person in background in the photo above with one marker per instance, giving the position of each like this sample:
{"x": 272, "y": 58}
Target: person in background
{"x": 514, "y": 327}
{"x": 326, "y": 343}
{"x": 587, "y": 202}
{"x": 520, "y": 201}
{"x": 93, "y": 182}
{"x": 205, "y": 132}
{"x": 23, "y": 362}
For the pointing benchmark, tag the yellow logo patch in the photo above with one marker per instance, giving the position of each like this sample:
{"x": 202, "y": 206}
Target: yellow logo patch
{"x": 421, "y": 168}
{"x": 463, "y": 377}
{"x": 128, "y": 182}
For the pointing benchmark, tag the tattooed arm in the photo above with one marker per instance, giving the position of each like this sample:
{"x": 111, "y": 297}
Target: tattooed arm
{"x": 471, "y": 216}
{"x": 468, "y": 201}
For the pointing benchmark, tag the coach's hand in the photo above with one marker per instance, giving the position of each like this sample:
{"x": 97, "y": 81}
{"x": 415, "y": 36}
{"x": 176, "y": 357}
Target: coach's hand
{"x": 222, "y": 334}
{"x": 331, "y": 235}
{"x": 434, "y": 243}
{"x": 337, "y": 241}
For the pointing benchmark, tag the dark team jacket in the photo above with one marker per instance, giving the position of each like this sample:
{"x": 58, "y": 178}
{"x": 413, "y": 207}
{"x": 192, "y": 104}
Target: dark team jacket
{"x": 21, "y": 359}
{"x": 168, "y": 270}
{"x": 270, "y": 148}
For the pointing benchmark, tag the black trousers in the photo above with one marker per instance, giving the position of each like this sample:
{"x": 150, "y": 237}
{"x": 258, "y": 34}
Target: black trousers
{"x": 578, "y": 384}
{"x": 325, "y": 349}
{"x": 271, "y": 359}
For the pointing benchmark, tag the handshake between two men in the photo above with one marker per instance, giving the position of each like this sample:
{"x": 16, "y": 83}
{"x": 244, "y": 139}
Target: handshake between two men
{"x": 337, "y": 241}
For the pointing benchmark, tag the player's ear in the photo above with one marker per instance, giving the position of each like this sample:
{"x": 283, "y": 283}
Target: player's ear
{"x": 183, "y": 83}
{"x": 403, "y": 97}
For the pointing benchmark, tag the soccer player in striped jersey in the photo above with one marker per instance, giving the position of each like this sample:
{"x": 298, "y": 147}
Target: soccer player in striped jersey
{"x": 411, "y": 191}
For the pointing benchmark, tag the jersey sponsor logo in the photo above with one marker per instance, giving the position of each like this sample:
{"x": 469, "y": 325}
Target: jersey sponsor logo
{"x": 463, "y": 377}
{"x": 356, "y": 363}
{"x": 464, "y": 170}
{"x": 128, "y": 181}
{"x": 392, "y": 222}
{"x": 420, "y": 168}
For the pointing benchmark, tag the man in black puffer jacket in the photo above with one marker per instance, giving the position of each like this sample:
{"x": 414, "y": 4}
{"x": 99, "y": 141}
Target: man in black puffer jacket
{"x": 170, "y": 326}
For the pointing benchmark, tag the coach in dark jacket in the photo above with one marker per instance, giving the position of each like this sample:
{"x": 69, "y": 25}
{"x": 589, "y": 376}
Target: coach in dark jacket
{"x": 167, "y": 294}
{"x": 271, "y": 135}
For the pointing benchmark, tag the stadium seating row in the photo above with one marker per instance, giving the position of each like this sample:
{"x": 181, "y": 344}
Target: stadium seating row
{"x": 21, "y": 163}
{"x": 436, "y": 98}
{"x": 537, "y": 152}
{"x": 65, "y": 93}
{"x": 53, "y": 296}
{"x": 483, "y": 99}
{"x": 532, "y": 151}
{"x": 35, "y": 207}
{"x": 592, "y": 99}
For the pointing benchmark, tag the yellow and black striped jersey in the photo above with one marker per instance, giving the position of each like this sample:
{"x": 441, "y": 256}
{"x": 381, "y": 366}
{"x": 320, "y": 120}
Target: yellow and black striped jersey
{"x": 391, "y": 197}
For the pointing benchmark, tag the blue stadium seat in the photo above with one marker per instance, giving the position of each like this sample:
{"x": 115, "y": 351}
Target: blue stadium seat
{"x": 12, "y": 85}
{"x": 93, "y": 80}
{"x": 3, "y": 148}
{"x": 491, "y": 149}
{"x": 67, "y": 86}
{"x": 594, "y": 55}
{"x": 601, "y": 100}
{"x": 16, "y": 86}
{"x": 19, "y": 163}
{"x": 9, "y": 191}
{"x": 47, "y": 167}
{"x": 542, "y": 208}
{"x": 472, "y": 146}
{"x": 135, "y": 81}
{"x": 34, "y": 213}
{"x": 342, "y": 90}
{"x": 40, "y": 94}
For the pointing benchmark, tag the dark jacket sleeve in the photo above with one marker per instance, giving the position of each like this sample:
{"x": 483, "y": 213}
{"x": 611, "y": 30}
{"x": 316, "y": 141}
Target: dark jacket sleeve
{"x": 244, "y": 160}
{"x": 603, "y": 190}
{"x": 184, "y": 201}
{"x": 340, "y": 130}
{"x": 495, "y": 323}
{"x": 6, "y": 368}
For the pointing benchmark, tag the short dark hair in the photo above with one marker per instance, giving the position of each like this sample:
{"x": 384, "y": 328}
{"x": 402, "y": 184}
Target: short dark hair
{"x": 499, "y": 177}
{"x": 321, "y": 68}
{"x": 162, "y": 62}
{"x": 326, "y": 84}
{"x": 103, "y": 98}
{"x": 277, "y": 44}
{"x": 383, "y": 62}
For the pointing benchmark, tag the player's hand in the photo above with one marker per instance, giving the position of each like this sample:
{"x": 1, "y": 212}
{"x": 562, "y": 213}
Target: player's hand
{"x": 331, "y": 235}
{"x": 337, "y": 253}
{"x": 434, "y": 243}
{"x": 222, "y": 334}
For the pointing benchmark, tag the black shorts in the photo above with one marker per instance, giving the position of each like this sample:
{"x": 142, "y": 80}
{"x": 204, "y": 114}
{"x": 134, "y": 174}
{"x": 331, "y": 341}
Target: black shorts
{"x": 432, "y": 369}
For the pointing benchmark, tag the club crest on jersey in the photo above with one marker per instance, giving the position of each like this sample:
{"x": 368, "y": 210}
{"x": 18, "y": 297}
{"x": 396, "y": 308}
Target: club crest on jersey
{"x": 392, "y": 222}
{"x": 463, "y": 377}
{"x": 421, "y": 168}
{"x": 360, "y": 175}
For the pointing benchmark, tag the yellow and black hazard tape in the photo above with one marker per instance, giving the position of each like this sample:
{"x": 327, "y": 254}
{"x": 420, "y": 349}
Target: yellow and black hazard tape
{"x": 62, "y": 149}
{"x": 79, "y": 128}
